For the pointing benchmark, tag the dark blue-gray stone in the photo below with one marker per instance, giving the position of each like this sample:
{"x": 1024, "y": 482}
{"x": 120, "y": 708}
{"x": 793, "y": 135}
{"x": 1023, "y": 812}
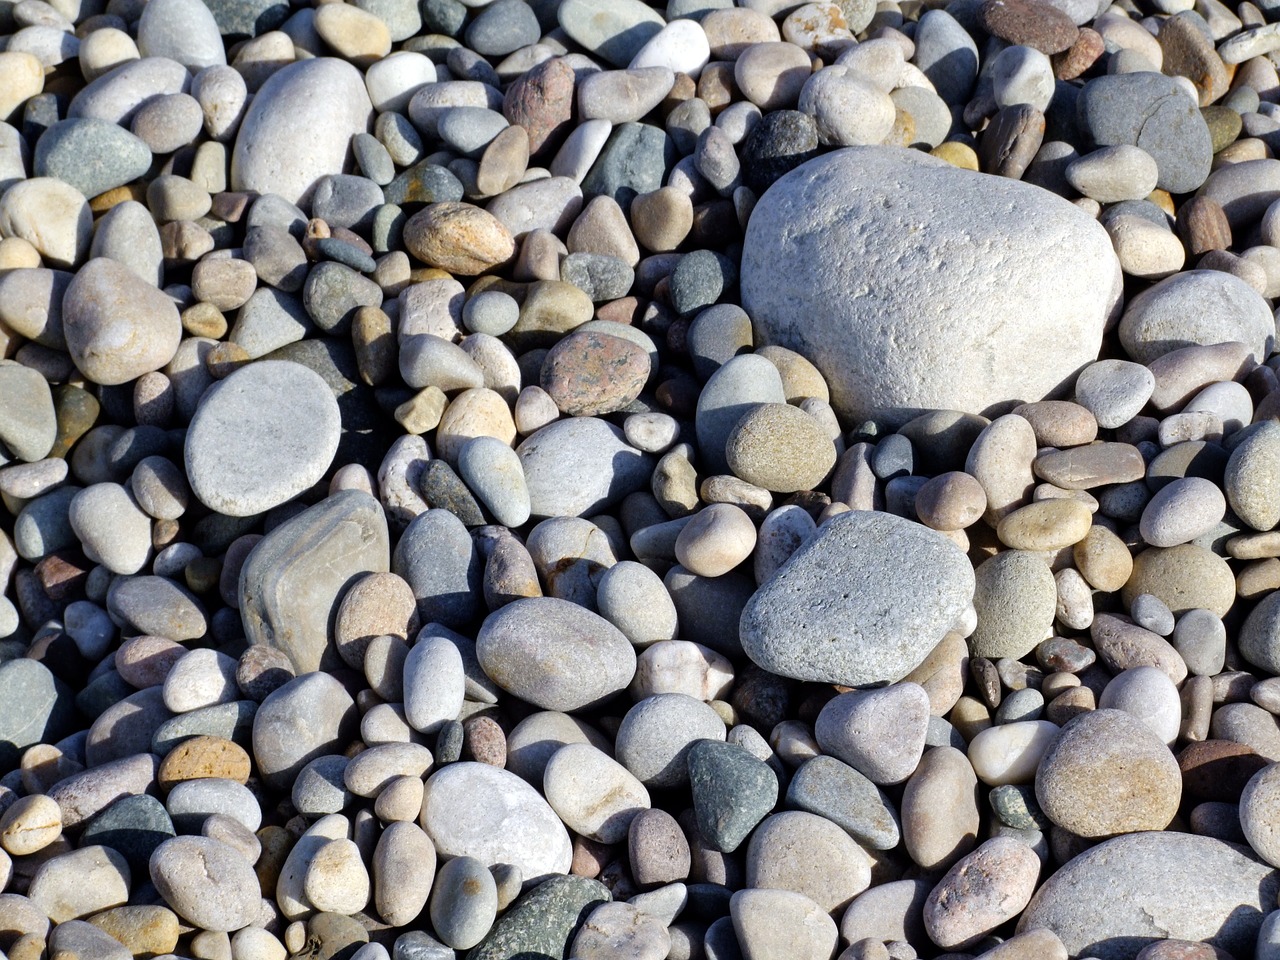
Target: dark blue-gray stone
{"x": 101, "y": 692}
{"x": 701, "y": 279}
{"x": 542, "y": 923}
{"x": 35, "y": 707}
{"x": 1149, "y": 110}
{"x": 732, "y": 792}
{"x": 134, "y": 826}
{"x": 94, "y": 156}
{"x": 334, "y": 292}
{"x": 248, "y": 17}
{"x": 444, "y": 17}
{"x": 635, "y": 159}
{"x": 779, "y": 143}
{"x": 832, "y": 789}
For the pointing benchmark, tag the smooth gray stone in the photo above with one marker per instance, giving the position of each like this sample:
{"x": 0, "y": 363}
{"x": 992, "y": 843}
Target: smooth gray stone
{"x": 438, "y": 559}
{"x": 580, "y": 466}
{"x": 35, "y": 707}
{"x": 832, "y": 789}
{"x": 310, "y": 716}
{"x": 821, "y": 618}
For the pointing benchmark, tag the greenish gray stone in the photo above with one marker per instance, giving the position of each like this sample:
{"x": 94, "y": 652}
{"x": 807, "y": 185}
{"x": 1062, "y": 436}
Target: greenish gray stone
{"x": 833, "y": 789}
{"x": 542, "y": 923}
{"x": 134, "y": 826}
{"x": 247, "y": 17}
{"x": 732, "y": 792}
{"x": 94, "y": 156}
{"x": 293, "y": 581}
{"x": 442, "y": 487}
{"x": 634, "y": 160}
{"x": 424, "y": 182}
{"x": 1016, "y": 806}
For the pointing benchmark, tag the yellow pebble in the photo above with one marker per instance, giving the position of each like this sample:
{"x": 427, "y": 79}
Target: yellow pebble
{"x": 957, "y": 154}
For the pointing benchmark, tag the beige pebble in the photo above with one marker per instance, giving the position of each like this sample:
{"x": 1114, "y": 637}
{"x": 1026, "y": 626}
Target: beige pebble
{"x": 353, "y": 33}
{"x": 1103, "y": 559}
{"x": 771, "y": 75}
{"x": 30, "y": 825}
{"x": 1046, "y": 525}
{"x": 715, "y": 540}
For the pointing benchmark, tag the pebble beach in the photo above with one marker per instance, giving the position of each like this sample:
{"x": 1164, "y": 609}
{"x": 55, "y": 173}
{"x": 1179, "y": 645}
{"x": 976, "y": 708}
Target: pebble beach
{"x": 593, "y": 480}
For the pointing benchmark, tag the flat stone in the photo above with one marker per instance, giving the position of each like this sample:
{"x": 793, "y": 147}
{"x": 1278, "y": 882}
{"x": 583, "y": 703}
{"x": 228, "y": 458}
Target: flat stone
{"x": 291, "y": 584}
{"x": 788, "y": 625}
{"x": 1130, "y": 891}
{"x": 260, "y": 437}
{"x": 876, "y": 374}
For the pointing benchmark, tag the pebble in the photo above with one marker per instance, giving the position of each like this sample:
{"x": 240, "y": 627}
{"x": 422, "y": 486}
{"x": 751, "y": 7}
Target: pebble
{"x": 856, "y": 728}
{"x": 206, "y": 882}
{"x": 981, "y": 891}
{"x": 476, "y": 810}
{"x": 593, "y": 794}
{"x": 656, "y": 735}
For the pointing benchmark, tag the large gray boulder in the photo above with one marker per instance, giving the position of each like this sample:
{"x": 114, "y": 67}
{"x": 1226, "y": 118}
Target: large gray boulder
{"x": 914, "y": 285}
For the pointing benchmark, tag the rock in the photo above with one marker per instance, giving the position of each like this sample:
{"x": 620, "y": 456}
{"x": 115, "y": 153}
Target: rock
{"x": 291, "y": 584}
{"x": 181, "y": 30}
{"x": 1108, "y": 773}
{"x": 298, "y": 128}
{"x": 788, "y": 625}
{"x": 206, "y": 882}
{"x": 940, "y": 818}
{"x": 1149, "y": 111}
{"x": 732, "y": 792}
{"x": 614, "y": 29}
{"x": 554, "y": 654}
{"x": 880, "y": 733}
{"x": 1248, "y": 480}
{"x": 544, "y": 920}
{"x": 260, "y": 437}
{"x": 1015, "y": 598}
{"x": 464, "y": 902}
{"x": 592, "y": 793}
{"x": 658, "y": 733}
{"x": 864, "y": 359}
{"x": 580, "y": 466}
{"x": 835, "y": 790}
{"x": 476, "y": 810}
{"x": 92, "y": 155}
{"x": 810, "y": 855}
{"x": 773, "y": 924}
{"x": 30, "y": 425}
{"x": 780, "y": 448}
{"x": 1196, "y": 307}
{"x": 117, "y": 325}
{"x": 309, "y": 716}
{"x": 983, "y": 890}
{"x": 458, "y": 237}
{"x": 80, "y": 882}
{"x": 1130, "y": 891}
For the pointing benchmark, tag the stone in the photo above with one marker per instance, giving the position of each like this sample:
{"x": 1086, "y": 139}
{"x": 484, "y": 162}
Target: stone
{"x": 780, "y": 448}
{"x": 79, "y": 883}
{"x": 592, "y": 793}
{"x": 291, "y": 584}
{"x": 309, "y": 716}
{"x": 29, "y": 427}
{"x": 732, "y": 792}
{"x": 1016, "y": 600}
{"x": 92, "y": 155}
{"x": 613, "y": 30}
{"x": 117, "y": 325}
{"x": 880, "y": 733}
{"x": 458, "y": 237}
{"x": 206, "y": 882}
{"x": 788, "y": 625}
{"x": 658, "y": 733}
{"x": 940, "y": 817}
{"x": 580, "y": 466}
{"x": 835, "y": 790}
{"x": 981, "y": 891}
{"x": 544, "y": 920}
{"x": 464, "y": 902}
{"x": 260, "y": 437}
{"x": 1130, "y": 891}
{"x": 285, "y": 145}
{"x": 1108, "y": 773}
{"x": 1195, "y": 307}
{"x": 866, "y": 377}
{"x": 476, "y": 810}
{"x": 1150, "y": 111}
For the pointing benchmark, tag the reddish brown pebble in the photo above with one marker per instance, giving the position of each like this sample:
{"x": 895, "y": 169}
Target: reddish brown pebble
{"x": 541, "y": 101}
{"x": 484, "y": 741}
{"x": 1203, "y": 226}
{"x": 1082, "y": 55}
{"x": 1031, "y": 23}
{"x": 589, "y": 374}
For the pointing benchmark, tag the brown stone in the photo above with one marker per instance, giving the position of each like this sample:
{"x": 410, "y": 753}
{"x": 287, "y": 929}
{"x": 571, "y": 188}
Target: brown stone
{"x": 1203, "y": 226}
{"x": 484, "y": 741}
{"x": 541, "y": 101}
{"x": 504, "y": 161}
{"x": 1094, "y": 465}
{"x": 204, "y": 757}
{"x": 589, "y": 374}
{"x": 717, "y": 87}
{"x": 1011, "y": 141}
{"x": 1189, "y": 53}
{"x": 1030, "y": 23}
{"x": 1083, "y": 54}
{"x": 62, "y": 575}
{"x": 146, "y": 930}
{"x": 458, "y": 237}
{"x": 1217, "y": 770}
